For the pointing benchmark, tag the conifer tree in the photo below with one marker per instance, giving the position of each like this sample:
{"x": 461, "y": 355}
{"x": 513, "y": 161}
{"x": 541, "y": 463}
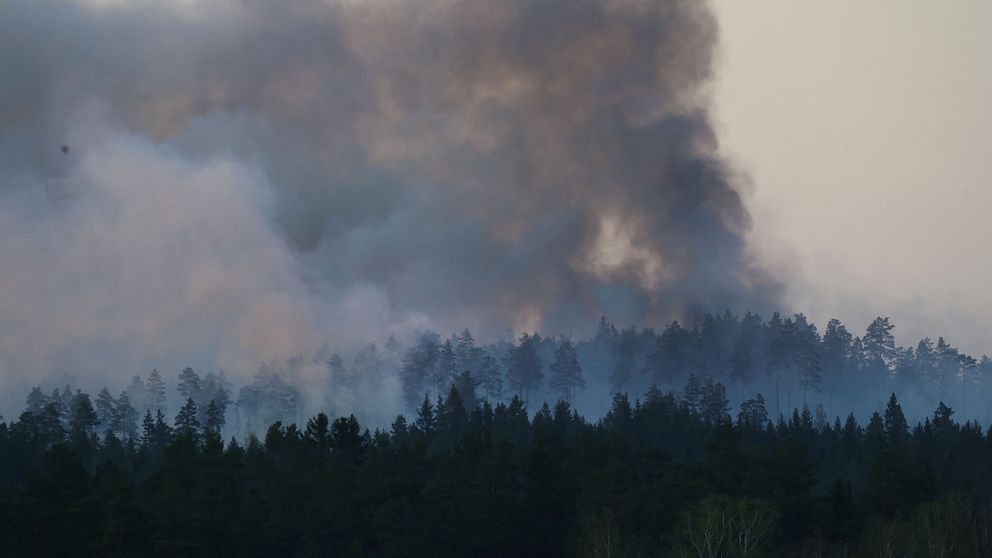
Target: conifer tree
{"x": 124, "y": 417}
{"x": 713, "y": 403}
{"x": 36, "y": 401}
{"x": 445, "y": 371}
{"x": 104, "y": 409}
{"x": 82, "y": 417}
{"x": 155, "y": 388}
{"x": 467, "y": 355}
{"x": 189, "y": 384}
{"x": 566, "y": 371}
{"x": 896, "y": 427}
{"x": 753, "y": 412}
{"x": 467, "y": 386}
{"x": 426, "y": 421}
{"x": 215, "y": 418}
{"x": 692, "y": 393}
{"x": 490, "y": 377}
{"x": 524, "y": 367}
{"x": 186, "y": 423}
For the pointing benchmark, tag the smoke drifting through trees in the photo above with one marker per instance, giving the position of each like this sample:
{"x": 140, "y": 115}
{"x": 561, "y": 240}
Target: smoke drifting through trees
{"x": 245, "y": 181}
{"x": 759, "y": 369}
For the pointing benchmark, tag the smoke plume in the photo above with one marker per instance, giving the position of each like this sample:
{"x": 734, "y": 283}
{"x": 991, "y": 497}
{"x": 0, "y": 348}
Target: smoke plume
{"x": 246, "y": 179}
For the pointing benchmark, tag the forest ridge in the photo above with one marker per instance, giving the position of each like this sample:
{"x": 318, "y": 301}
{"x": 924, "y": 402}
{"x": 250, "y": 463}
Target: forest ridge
{"x": 481, "y": 469}
{"x": 787, "y": 360}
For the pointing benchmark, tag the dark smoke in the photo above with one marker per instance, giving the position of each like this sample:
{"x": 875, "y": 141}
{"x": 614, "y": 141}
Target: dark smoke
{"x": 521, "y": 163}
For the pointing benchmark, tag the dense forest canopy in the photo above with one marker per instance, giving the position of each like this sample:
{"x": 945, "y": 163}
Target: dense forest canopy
{"x": 736, "y": 437}
{"x": 665, "y": 474}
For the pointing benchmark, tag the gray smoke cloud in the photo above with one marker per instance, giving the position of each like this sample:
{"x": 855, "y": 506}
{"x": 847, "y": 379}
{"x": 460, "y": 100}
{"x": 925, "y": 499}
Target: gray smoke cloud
{"x": 246, "y": 179}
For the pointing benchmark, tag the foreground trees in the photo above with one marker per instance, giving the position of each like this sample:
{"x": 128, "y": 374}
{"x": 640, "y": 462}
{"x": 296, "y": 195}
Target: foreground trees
{"x": 660, "y": 475}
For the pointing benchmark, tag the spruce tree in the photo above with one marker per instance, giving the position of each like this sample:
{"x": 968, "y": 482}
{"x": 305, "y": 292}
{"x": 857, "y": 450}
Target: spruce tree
{"x": 186, "y": 423}
{"x": 896, "y": 427}
{"x": 426, "y": 421}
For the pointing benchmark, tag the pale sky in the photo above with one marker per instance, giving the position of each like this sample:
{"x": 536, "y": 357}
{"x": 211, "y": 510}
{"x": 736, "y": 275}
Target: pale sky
{"x": 866, "y": 130}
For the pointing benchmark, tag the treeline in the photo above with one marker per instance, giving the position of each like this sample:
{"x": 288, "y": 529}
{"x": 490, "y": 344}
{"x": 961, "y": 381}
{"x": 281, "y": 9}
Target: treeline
{"x": 786, "y": 358}
{"x": 666, "y": 474}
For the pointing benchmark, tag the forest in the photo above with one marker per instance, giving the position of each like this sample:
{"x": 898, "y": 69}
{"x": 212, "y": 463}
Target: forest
{"x": 502, "y": 450}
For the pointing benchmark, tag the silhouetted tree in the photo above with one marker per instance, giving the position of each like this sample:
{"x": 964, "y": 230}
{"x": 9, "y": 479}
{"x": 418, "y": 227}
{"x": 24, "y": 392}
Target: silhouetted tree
{"x": 186, "y": 423}
{"x": 566, "y": 371}
{"x": 524, "y": 367}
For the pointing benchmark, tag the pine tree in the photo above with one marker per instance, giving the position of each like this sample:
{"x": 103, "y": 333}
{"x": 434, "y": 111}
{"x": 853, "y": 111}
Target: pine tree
{"x": 713, "y": 403}
{"x": 155, "y": 388}
{"x": 147, "y": 429}
{"x": 624, "y": 355}
{"x": 124, "y": 417}
{"x": 524, "y": 367}
{"x": 925, "y": 362}
{"x": 467, "y": 355}
{"x": 879, "y": 346}
{"x": 452, "y": 415}
{"x": 418, "y": 366}
{"x": 137, "y": 393}
{"x": 466, "y": 385}
{"x": 836, "y": 343}
{"x": 753, "y": 412}
{"x": 189, "y": 385}
{"x": 669, "y": 360}
{"x": 104, "y": 405}
{"x": 346, "y": 437}
{"x": 692, "y": 393}
{"x": 215, "y": 418}
{"x": 318, "y": 433}
{"x": 777, "y": 348}
{"x": 808, "y": 369}
{"x": 943, "y": 425}
{"x": 445, "y": 371}
{"x": 490, "y": 377}
{"x": 82, "y": 418}
{"x": 566, "y": 371}
{"x": 36, "y": 401}
{"x": 217, "y": 390}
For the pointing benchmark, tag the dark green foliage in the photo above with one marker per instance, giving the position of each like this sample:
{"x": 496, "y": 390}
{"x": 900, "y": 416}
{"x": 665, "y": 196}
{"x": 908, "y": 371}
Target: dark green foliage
{"x": 898, "y": 484}
{"x": 470, "y": 477}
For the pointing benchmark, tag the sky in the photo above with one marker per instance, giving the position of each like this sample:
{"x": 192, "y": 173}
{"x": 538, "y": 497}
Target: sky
{"x": 866, "y": 131}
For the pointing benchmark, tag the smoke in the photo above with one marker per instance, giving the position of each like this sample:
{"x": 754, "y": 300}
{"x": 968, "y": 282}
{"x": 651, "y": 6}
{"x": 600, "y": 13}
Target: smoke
{"x": 246, "y": 179}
